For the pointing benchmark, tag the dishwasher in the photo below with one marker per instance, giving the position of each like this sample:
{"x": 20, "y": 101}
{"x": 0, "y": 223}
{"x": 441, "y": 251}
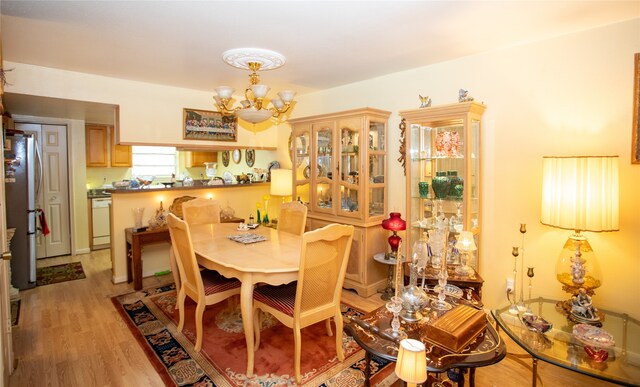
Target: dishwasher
{"x": 100, "y": 222}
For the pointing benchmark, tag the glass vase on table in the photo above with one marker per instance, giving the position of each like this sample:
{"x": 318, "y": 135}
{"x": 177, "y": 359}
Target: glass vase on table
{"x": 395, "y": 306}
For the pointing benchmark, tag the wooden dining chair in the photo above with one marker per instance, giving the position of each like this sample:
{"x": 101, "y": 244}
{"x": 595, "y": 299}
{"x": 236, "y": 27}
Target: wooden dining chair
{"x": 195, "y": 211}
{"x": 206, "y": 287}
{"x": 315, "y": 296}
{"x": 293, "y": 218}
{"x": 201, "y": 211}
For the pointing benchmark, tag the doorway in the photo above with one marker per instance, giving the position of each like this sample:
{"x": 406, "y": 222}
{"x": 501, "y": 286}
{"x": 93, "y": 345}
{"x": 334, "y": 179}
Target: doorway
{"x": 53, "y": 190}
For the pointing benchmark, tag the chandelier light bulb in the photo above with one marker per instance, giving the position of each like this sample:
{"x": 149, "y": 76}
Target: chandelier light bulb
{"x": 225, "y": 92}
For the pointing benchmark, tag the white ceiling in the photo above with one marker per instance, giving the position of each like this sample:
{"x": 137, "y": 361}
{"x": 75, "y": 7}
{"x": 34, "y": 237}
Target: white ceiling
{"x": 326, "y": 43}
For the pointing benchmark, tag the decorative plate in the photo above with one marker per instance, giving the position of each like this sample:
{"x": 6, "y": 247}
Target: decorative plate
{"x": 593, "y": 336}
{"x": 536, "y": 323}
{"x": 307, "y": 172}
{"x": 237, "y": 156}
{"x": 250, "y": 157}
{"x": 449, "y": 290}
{"x": 273, "y": 165}
{"x": 225, "y": 158}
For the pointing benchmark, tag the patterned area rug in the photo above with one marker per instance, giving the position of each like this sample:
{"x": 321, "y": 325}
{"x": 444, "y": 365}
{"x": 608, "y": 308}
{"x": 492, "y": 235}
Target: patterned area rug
{"x": 59, "y": 273}
{"x": 152, "y": 318}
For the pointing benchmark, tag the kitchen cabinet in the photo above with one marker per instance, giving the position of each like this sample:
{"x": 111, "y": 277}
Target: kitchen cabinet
{"x": 120, "y": 154}
{"x": 102, "y": 150}
{"x": 339, "y": 169}
{"x": 198, "y": 158}
{"x": 443, "y": 171}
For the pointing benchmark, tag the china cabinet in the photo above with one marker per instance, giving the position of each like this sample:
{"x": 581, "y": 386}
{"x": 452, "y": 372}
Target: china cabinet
{"x": 339, "y": 173}
{"x": 443, "y": 175}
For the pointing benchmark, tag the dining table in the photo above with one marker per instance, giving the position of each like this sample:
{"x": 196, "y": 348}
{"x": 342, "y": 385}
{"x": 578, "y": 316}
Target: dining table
{"x": 273, "y": 261}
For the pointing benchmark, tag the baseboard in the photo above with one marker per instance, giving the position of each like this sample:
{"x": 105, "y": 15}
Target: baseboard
{"x": 82, "y": 251}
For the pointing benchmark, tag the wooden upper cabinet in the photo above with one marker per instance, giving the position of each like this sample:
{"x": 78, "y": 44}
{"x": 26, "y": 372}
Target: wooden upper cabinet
{"x": 120, "y": 154}
{"x": 198, "y": 158}
{"x": 100, "y": 141}
{"x": 97, "y": 141}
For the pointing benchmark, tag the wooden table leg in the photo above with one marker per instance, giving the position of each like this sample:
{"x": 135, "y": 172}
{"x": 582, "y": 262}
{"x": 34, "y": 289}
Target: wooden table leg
{"x": 367, "y": 369}
{"x": 535, "y": 372}
{"x": 129, "y": 258}
{"x": 136, "y": 263}
{"x": 246, "y": 307}
{"x": 472, "y": 377}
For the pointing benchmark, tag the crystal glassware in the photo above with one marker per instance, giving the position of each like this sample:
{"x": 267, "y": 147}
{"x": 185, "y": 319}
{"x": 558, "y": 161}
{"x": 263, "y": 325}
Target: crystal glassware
{"x": 530, "y": 275}
{"x": 395, "y": 306}
{"x": 440, "y": 303}
{"x": 211, "y": 169}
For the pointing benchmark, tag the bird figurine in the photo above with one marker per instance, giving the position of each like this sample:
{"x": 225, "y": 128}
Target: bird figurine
{"x": 463, "y": 96}
{"x": 424, "y": 101}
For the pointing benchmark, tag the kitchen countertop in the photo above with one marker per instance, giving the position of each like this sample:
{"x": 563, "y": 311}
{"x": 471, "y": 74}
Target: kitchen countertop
{"x": 98, "y": 193}
{"x": 160, "y": 188}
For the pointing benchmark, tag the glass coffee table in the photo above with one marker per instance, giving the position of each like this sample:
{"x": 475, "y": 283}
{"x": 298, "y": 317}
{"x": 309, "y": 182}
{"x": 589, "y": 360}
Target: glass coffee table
{"x": 558, "y": 346}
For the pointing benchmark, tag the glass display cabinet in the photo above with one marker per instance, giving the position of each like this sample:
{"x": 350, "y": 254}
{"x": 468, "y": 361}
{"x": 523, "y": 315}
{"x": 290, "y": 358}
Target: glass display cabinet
{"x": 443, "y": 176}
{"x": 339, "y": 172}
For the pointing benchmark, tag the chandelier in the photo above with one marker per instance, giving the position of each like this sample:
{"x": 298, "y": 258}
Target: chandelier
{"x": 254, "y": 107}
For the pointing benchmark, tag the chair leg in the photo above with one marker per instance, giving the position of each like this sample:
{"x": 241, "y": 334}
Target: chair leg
{"x": 297, "y": 338}
{"x": 256, "y": 328}
{"x": 327, "y": 324}
{"x": 339, "y": 350}
{"x": 199, "y": 312}
{"x": 181, "y": 297}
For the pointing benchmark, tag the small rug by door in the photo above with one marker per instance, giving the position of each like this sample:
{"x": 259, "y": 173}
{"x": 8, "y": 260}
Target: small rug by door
{"x": 15, "y": 312}
{"x": 59, "y": 273}
{"x": 152, "y": 318}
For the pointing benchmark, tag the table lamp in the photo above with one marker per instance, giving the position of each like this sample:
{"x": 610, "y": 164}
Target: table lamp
{"x": 465, "y": 244}
{"x": 411, "y": 365}
{"x": 395, "y": 223}
{"x": 281, "y": 183}
{"x": 581, "y": 194}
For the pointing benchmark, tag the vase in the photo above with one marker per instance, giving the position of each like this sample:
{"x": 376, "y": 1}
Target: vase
{"x": 455, "y": 184}
{"x": 423, "y": 188}
{"x": 414, "y": 298}
{"x": 441, "y": 185}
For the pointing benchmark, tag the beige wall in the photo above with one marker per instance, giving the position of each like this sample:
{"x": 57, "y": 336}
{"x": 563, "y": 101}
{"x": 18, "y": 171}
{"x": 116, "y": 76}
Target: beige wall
{"x": 569, "y": 95}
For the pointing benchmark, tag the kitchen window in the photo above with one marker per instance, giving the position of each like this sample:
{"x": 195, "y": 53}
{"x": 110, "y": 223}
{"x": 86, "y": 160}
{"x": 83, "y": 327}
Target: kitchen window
{"x": 158, "y": 161}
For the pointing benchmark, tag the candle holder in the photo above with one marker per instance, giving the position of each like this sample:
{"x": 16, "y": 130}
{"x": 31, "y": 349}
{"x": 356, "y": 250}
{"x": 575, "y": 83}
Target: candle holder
{"x": 513, "y": 309}
{"x": 520, "y": 305}
{"x": 530, "y": 275}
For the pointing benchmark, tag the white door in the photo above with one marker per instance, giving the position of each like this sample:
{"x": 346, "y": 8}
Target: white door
{"x": 53, "y": 195}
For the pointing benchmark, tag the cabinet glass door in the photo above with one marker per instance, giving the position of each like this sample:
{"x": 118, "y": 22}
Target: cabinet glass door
{"x": 376, "y": 168}
{"x": 349, "y": 151}
{"x": 301, "y": 147}
{"x": 322, "y": 171}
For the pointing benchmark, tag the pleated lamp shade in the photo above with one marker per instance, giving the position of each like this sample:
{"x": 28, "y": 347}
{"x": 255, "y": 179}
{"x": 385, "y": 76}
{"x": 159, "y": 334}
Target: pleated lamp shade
{"x": 411, "y": 365}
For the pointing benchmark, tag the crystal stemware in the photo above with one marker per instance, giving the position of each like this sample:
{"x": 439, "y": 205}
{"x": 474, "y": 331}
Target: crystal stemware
{"x": 211, "y": 169}
{"x": 440, "y": 303}
{"x": 395, "y": 306}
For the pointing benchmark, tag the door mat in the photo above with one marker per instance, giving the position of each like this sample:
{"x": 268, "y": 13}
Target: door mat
{"x": 15, "y": 312}
{"x": 151, "y": 316}
{"x": 59, "y": 273}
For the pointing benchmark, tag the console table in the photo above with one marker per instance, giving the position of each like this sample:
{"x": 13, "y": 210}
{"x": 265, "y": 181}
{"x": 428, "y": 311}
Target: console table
{"x": 487, "y": 349}
{"x": 559, "y": 347}
{"x": 136, "y": 240}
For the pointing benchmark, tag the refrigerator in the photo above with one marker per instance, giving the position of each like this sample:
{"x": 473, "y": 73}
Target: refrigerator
{"x": 21, "y": 185}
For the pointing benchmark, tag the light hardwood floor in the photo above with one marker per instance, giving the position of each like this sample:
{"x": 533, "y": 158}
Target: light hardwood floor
{"x": 69, "y": 334}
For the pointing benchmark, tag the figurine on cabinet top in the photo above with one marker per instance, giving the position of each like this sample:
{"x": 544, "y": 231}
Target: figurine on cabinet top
{"x": 463, "y": 96}
{"x": 424, "y": 101}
